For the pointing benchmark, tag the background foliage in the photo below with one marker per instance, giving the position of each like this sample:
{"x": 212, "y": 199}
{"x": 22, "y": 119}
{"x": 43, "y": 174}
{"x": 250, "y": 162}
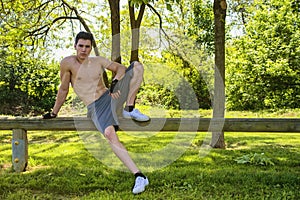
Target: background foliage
{"x": 263, "y": 70}
{"x": 27, "y": 87}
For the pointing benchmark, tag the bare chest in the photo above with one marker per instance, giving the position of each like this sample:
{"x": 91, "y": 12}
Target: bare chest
{"x": 87, "y": 72}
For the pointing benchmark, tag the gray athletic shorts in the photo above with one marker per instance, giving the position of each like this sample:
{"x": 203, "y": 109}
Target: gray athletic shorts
{"x": 103, "y": 110}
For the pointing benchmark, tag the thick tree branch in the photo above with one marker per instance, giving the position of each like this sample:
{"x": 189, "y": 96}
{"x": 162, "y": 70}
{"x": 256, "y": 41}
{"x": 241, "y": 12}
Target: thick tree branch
{"x": 140, "y": 15}
{"x": 37, "y": 32}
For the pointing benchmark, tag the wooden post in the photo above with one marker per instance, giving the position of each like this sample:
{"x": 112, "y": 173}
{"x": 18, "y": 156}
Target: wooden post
{"x": 19, "y": 150}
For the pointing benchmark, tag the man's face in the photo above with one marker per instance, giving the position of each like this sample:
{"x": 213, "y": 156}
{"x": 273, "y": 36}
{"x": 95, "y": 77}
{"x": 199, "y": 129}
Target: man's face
{"x": 83, "y": 48}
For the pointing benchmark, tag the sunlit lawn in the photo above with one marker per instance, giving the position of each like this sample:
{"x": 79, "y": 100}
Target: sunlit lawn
{"x": 69, "y": 165}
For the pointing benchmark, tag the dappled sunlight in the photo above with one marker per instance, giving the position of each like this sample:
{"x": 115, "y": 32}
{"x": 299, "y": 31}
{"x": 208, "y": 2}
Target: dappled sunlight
{"x": 150, "y": 153}
{"x": 33, "y": 168}
{"x": 52, "y": 136}
{"x": 66, "y": 167}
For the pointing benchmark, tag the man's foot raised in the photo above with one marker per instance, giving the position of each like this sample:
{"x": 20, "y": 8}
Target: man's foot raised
{"x": 140, "y": 184}
{"x": 136, "y": 115}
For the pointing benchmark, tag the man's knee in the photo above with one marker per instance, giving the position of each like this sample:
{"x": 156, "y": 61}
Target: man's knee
{"x": 110, "y": 134}
{"x": 138, "y": 68}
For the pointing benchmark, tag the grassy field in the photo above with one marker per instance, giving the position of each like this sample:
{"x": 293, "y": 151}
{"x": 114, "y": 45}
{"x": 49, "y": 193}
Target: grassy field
{"x": 62, "y": 165}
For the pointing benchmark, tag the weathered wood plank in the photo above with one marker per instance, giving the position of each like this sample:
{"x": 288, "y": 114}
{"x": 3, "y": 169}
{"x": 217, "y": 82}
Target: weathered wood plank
{"x": 159, "y": 124}
{"x": 19, "y": 150}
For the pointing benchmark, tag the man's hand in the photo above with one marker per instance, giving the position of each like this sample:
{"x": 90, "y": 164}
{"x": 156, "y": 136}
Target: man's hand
{"x": 113, "y": 85}
{"x": 49, "y": 115}
{"x": 114, "y": 94}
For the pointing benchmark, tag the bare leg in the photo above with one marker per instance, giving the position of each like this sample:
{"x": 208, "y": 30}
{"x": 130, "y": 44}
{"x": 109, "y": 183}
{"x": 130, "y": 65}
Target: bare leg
{"x": 135, "y": 83}
{"x": 119, "y": 149}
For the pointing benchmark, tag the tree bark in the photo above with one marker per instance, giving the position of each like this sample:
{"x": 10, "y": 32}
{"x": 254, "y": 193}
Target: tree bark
{"x": 115, "y": 27}
{"x": 220, "y": 7}
{"x": 135, "y": 31}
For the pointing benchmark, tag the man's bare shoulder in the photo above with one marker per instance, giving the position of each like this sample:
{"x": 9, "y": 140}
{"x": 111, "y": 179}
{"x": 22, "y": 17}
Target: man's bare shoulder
{"x": 68, "y": 60}
{"x": 100, "y": 60}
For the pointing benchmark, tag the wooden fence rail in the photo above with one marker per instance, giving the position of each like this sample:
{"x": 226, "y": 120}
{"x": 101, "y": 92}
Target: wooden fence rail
{"x": 159, "y": 124}
{"x": 20, "y": 126}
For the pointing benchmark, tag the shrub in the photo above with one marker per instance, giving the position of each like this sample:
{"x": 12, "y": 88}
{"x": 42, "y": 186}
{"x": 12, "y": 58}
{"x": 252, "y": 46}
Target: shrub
{"x": 255, "y": 159}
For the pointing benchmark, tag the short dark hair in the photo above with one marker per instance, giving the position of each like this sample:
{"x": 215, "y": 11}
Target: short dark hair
{"x": 84, "y": 35}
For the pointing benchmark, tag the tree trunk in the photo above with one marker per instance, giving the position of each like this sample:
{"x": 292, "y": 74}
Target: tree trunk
{"x": 220, "y": 7}
{"x": 115, "y": 27}
{"x": 135, "y": 31}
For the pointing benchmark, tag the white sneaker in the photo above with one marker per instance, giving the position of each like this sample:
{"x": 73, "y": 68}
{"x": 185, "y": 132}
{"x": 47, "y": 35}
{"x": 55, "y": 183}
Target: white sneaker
{"x": 136, "y": 115}
{"x": 140, "y": 184}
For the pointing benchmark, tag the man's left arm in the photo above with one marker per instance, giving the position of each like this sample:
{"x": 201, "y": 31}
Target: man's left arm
{"x": 118, "y": 69}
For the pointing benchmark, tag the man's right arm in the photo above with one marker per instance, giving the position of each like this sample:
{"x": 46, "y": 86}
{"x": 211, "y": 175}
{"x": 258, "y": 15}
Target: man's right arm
{"x": 65, "y": 78}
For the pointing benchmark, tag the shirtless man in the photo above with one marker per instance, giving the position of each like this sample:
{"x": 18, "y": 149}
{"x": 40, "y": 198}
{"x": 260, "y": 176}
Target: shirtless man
{"x": 85, "y": 74}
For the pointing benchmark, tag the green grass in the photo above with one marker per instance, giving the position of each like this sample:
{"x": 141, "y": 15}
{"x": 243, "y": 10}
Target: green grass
{"x": 62, "y": 167}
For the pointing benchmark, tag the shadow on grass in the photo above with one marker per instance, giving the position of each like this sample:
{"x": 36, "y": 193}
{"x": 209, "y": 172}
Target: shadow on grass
{"x": 66, "y": 170}
{"x": 53, "y": 137}
{"x": 69, "y": 176}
